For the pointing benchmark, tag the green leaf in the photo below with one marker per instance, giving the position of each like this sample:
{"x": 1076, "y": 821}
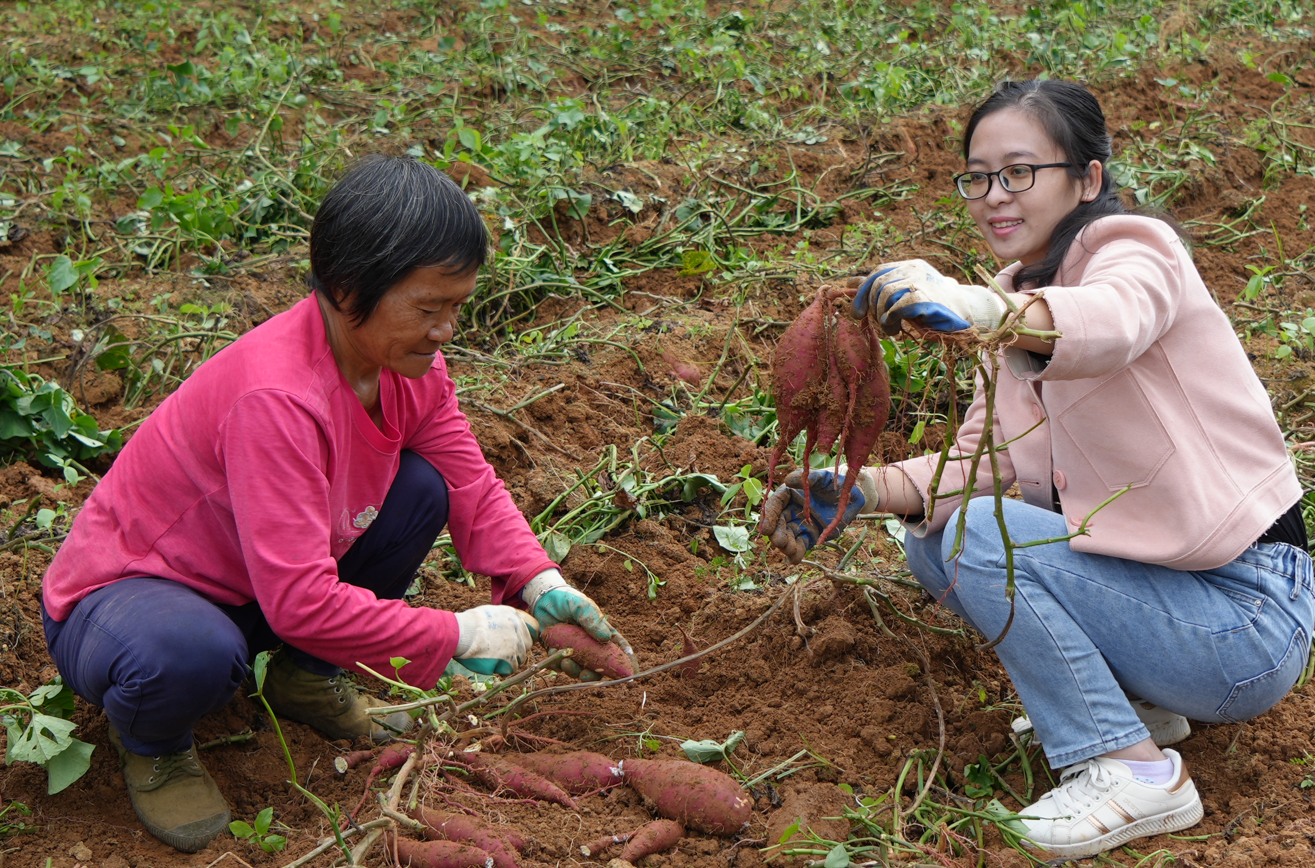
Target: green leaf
{"x": 704, "y": 751}
{"x": 241, "y": 829}
{"x": 55, "y": 698}
{"x": 68, "y": 765}
{"x": 837, "y": 858}
{"x": 1283, "y": 351}
{"x": 13, "y": 426}
{"x": 733, "y": 538}
{"x": 397, "y": 662}
{"x": 258, "y": 668}
{"x": 43, "y": 738}
{"x": 696, "y": 262}
{"x": 61, "y": 274}
{"x": 789, "y": 832}
{"x": 557, "y": 546}
{"x": 263, "y": 819}
{"x": 708, "y": 751}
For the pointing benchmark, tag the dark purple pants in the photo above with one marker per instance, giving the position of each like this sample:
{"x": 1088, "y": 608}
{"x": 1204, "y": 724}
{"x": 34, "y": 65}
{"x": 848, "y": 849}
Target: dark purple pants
{"x": 158, "y": 656}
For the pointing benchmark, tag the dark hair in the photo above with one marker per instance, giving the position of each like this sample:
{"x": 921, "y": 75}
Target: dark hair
{"x": 387, "y": 216}
{"x": 1072, "y": 117}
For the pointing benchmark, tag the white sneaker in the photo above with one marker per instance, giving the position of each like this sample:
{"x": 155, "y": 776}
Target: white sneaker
{"x": 1165, "y": 726}
{"x": 1098, "y": 806}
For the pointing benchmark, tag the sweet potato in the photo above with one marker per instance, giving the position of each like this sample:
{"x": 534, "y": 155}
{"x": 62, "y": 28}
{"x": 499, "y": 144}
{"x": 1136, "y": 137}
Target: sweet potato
{"x": 829, "y": 381}
{"x": 463, "y": 828}
{"x": 605, "y": 658}
{"x": 496, "y": 772}
{"x": 861, "y": 364}
{"x": 440, "y": 854}
{"x": 798, "y": 377}
{"x": 578, "y": 772}
{"x": 695, "y": 795}
{"x": 655, "y": 837}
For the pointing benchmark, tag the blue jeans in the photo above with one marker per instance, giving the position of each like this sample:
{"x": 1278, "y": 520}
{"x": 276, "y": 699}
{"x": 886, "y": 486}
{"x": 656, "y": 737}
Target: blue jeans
{"x": 1219, "y": 646}
{"x": 158, "y": 656}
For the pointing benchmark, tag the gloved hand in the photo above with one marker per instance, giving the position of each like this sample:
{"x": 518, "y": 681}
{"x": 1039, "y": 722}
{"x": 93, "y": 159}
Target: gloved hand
{"x": 783, "y": 513}
{"x": 494, "y": 640}
{"x": 914, "y": 290}
{"x": 553, "y": 601}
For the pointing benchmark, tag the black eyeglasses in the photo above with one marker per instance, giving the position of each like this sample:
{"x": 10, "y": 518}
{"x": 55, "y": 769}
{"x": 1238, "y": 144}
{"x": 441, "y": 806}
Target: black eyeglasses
{"x": 1015, "y": 179}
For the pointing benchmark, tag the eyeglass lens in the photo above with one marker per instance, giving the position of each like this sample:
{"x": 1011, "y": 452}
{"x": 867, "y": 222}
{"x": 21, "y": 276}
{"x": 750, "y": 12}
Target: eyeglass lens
{"x": 1015, "y": 179}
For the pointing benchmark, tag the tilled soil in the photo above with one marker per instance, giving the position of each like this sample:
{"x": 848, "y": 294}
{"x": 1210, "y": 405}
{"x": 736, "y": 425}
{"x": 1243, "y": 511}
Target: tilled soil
{"x": 821, "y": 674}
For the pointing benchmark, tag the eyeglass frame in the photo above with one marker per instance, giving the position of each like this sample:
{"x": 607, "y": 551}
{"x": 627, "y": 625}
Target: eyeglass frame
{"x": 991, "y": 176}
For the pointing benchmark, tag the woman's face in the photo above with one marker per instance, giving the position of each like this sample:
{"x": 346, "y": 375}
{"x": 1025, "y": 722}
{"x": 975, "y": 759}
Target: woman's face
{"x": 413, "y": 319}
{"x": 1019, "y": 225}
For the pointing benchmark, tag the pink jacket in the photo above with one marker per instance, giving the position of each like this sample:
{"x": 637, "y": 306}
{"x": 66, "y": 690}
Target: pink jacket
{"x": 1149, "y": 388}
{"x": 251, "y": 480}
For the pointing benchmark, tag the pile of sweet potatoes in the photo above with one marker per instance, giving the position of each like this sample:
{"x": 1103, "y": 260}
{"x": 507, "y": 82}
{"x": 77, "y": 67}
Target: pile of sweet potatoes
{"x": 684, "y": 794}
{"x": 829, "y": 380}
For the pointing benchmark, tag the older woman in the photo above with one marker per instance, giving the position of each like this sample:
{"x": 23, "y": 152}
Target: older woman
{"x": 287, "y": 493}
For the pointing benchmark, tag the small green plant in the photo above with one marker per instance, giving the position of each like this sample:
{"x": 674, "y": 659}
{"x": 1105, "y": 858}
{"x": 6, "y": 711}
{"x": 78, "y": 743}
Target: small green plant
{"x": 40, "y": 421}
{"x": 752, "y": 488}
{"x": 1297, "y": 337}
{"x": 9, "y": 823}
{"x": 39, "y": 731}
{"x": 259, "y": 832}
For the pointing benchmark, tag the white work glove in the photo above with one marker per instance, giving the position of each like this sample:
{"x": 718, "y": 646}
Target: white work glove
{"x": 914, "y": 290}
{"x": 552, "y": 601}
{"x": 494, "y": 640}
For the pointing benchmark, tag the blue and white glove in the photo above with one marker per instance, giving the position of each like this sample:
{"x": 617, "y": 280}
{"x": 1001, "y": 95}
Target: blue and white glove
{"x": 552, "y": 601}
{"x": 783, "y": 513}
{"x": 494, "y": 640}
{"x": 914, "y": 290}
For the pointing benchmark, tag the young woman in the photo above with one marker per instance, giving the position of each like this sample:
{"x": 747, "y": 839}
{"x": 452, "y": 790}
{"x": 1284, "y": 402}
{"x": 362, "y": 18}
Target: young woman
{"x": 287, "y": 493}
{"x": 1190, "y": 593}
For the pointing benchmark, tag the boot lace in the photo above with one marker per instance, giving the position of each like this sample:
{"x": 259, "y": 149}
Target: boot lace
{"x": 174, "y": 765}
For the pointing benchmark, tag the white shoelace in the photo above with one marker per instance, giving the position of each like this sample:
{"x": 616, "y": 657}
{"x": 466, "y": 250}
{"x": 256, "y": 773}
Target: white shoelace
{"x": 1081, "y": 785}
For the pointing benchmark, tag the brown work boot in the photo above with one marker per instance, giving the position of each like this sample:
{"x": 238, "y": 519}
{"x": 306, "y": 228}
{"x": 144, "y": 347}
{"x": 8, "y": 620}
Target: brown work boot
{"x": 174, "y": 797}
{"x": 330, "y": 703}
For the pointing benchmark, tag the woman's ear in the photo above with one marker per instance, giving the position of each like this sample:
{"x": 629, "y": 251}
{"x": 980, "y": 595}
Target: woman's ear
{"x": 1092, "y": 182}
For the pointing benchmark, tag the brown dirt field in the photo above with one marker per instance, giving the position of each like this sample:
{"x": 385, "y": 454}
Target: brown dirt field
{"x": 828, "y": 679}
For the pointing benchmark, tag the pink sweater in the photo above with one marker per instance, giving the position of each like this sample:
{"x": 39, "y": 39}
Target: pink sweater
{"x": 1149, "y": 387}
{"x": 263, "y": 468}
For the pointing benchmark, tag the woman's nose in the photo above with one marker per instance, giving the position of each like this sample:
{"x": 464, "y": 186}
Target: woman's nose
{"x": 441, "y": 333}
{"x": 998, "y": 194}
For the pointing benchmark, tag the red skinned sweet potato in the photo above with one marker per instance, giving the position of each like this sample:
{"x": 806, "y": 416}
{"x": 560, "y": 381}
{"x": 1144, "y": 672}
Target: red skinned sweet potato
{"x": 798, "y": 377}
{"x": 829, "y": 381}
{"x": 496, "y": 772}
{"x": 695, "y": 795}
{"x": 578, "y": 772}
{"x": 861, "y": 364}
{"x": 655, "y": 837}
{"x": 605, "y": 658}
{"x": 440, "y": 854}
{"x": 471, "y": 830}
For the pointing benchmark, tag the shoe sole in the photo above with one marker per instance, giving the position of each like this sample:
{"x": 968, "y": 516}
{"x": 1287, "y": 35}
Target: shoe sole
{"x": 1172, "y": 821}
{"x": 1165, "y": 734}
